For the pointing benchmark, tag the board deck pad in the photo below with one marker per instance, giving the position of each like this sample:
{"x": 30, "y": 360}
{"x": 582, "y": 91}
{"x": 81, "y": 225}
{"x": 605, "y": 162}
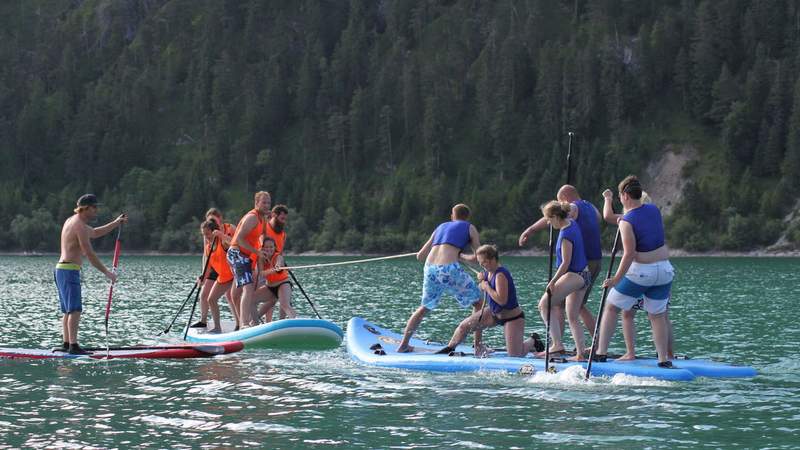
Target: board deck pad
{"x": 371, "y": 344}
{"x": 286, "y": 334}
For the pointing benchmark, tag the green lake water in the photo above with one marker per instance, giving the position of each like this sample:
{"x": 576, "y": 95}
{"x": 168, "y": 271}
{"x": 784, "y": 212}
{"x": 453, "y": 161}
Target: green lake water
{"x": 738, "y": 310}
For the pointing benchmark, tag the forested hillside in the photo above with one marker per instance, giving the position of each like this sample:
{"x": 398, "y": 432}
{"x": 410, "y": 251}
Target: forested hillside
{"x": 371, "y": 118}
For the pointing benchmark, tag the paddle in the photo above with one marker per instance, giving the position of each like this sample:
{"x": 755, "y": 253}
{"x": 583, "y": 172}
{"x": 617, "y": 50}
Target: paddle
{"x": 114, "y": 265}
{"x": 304, "y": 294}
{"x": 202, "y": 279}
{"x": 183, "y": 305}
{"x": 593, "y": 350}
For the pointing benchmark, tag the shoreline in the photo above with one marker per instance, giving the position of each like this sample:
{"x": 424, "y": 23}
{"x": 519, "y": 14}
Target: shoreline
{"x": 762, "y": 253}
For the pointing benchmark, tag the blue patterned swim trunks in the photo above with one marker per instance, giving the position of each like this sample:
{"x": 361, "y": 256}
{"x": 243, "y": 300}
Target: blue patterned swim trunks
{"x": 451, "y": 279}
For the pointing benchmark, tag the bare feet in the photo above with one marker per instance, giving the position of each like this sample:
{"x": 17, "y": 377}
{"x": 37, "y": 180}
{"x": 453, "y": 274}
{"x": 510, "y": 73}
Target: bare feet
{"x": 627, "y": 357}
{"x": 214, "y": 331}
{"x": 405, "y": 349}
{"x": 577, "y": 357}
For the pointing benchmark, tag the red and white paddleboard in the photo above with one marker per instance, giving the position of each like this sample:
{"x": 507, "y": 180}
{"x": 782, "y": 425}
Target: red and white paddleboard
{"x": 188, "y": 350}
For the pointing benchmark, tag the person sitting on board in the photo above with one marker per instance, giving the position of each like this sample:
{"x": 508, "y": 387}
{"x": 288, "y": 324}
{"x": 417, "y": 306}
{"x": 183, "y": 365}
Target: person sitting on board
{"x": 217, "y": 254}
{"x": 274, "y": 286}
{"x": 223, "y": 234}
{"x": 276, "y": 229}
{"x": 588, "y": 218}
{"x": 502, "y": 310}
{"x": 628, "y": 317}
{"x": 569, "y": 283}
{"x": 644, "y": 271}
{"x": 442, "y": 273}
{"x": 76, "y": 236}
{"x": 243, "y": 255}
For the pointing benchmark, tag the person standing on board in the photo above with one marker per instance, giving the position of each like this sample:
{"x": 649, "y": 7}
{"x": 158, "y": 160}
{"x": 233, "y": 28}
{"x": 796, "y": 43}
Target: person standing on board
{"x": 644, "y": 271}
{"x": 442, "y": 273}
{"x": 588, "y": 218}
{"x": 569, "y": 283}
{"x": 243, "y": 255}
{"x": 223, "y": 233}
{"x": 216, "y": 253}
{"x": 76, "y": 236}
{"x": 276, "y": 229}
{"x": 628, "y": 317}
{"x": 503, "y": 309}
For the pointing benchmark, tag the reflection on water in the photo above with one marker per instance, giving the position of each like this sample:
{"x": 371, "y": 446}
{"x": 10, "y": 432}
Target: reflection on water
{"x": 323, "y": 399}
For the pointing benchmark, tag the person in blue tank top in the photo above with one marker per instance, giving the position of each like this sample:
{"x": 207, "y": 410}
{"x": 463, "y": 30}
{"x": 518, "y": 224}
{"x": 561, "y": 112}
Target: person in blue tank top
{"x": 588, "y": 218}
{"x": 567, "y": 288}
{"x": 628, "y": 317}
{"x": 442, "y": 273}
{"x": 502, "y": 309}
{"x": 644, "y": 271}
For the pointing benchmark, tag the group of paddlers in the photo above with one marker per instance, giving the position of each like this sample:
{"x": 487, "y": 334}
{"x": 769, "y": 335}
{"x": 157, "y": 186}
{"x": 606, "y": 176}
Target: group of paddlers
{"x": 643, "y": 279}
{"x": 244, "y": 263}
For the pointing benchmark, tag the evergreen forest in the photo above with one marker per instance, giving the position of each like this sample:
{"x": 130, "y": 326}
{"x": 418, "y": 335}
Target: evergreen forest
{"x": 371, "y": 118}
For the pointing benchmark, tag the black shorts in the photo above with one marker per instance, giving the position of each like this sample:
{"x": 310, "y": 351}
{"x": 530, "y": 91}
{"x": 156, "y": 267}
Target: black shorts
{"x": 274, "y": 289}
{"x": 212, "y": 275}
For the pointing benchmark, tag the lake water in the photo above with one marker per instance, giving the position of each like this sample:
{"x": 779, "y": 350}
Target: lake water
{"x": 738, "y": 310}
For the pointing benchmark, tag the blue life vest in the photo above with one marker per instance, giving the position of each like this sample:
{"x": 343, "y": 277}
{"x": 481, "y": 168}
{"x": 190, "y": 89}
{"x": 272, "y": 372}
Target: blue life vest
{"x": 647, "y": 227}
{"x": 455, "y": 233}
{"x": 572, "y": 233}
{"x": 511, "y": 301}
{"x": 590, "y": 229}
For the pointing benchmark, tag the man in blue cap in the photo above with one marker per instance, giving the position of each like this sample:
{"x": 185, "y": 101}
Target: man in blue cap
{"x": 76, "y": 236}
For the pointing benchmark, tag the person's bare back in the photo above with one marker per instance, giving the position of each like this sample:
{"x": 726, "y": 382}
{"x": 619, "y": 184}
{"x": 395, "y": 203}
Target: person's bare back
{"x": 71, "y": 233}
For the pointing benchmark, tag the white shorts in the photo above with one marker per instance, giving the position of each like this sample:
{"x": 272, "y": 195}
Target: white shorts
{"x": 651, "y": 282}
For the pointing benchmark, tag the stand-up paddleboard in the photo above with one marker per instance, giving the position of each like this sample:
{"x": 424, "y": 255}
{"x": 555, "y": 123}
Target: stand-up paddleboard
{"x": 138, "y": 351}
{"x": 286, "y": 334}
{"x": 373, "y": 345}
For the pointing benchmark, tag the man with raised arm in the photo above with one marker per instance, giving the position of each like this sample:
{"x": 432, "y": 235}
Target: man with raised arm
{"x": 442, "y": 272}
{"x": 76, "y": 236}
{"x": 588, "y": 218}
{"x": 243, "y": 255}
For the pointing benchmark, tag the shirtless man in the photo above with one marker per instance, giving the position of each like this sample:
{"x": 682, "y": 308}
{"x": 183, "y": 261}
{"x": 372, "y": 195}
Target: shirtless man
{"x": 76, "y": 236}
{"x": 442, "y": 272}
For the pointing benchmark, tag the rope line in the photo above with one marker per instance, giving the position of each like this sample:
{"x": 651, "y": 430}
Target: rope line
{"x": 342, "y": 263}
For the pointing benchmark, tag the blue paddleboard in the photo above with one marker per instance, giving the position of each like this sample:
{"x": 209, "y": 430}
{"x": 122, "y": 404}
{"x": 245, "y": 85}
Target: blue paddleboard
{"x": 370, "y": 344}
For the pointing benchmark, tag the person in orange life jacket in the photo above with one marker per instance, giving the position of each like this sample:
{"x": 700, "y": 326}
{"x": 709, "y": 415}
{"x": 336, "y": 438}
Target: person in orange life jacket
{"x": 276, "y": 229}
{"x": 644, "y": 271}
{"x": 442, "y": 273}
{"x": 628, "y": 317}
{"x": 588, "y": 218}
{"x": 243, "y": 255}
{"x": 501, "y": 308}
{"x": 275, "y": 286}
{"x": 569, "y": 283}
{"x": 218, "y": 263}
{"x": 223, "y": 234}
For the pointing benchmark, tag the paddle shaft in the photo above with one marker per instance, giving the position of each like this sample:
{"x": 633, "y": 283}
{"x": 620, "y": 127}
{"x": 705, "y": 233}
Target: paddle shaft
{"x": 200, "y": 282}
{"x": 593, "y": 350}
{"x": 114, "y": 265}
{"x": 183, "y": 305}
{"x": 304, "y": 294}
{"x": 549, "y": 298}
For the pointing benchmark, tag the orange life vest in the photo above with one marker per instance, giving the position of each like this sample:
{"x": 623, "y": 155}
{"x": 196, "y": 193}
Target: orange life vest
{"x": 219, "y": 263}
{"x": 252, "y": 237}
{"x": 276, "y": 277}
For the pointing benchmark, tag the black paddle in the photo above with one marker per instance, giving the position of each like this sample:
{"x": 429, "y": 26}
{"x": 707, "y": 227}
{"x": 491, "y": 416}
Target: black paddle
{"x": 304, "y": 294}
{"x": 593, "y": 350}
{"x": 183, "y": 305}
{"x": 202, "y": 279}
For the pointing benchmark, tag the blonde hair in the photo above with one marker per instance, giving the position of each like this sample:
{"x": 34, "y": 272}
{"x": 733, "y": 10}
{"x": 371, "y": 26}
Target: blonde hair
{"x": 261, "y": 194}
{"x": 556, "y": 208}
{"x": 488, "y": 251}
{"x": 646, "y": 199}
{"x": 80, "y": 209}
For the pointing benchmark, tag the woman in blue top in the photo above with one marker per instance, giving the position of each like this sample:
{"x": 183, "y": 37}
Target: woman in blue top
{"x": 502, "y": 309}
{"x": 568, "y": 286}
{"x": 643, "y": 272}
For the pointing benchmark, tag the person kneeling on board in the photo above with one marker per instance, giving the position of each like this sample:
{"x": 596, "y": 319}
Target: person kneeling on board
{"x": 274, "y": 286}
{"x": 503, "y": 309}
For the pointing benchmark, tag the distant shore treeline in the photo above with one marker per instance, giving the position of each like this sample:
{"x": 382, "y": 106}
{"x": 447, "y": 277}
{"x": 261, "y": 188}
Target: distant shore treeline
{"x": 371, "y": 118}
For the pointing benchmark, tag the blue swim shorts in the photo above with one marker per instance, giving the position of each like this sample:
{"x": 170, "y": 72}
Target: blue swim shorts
{"x": 241, "y": 266}
{"x": 68, "y": 282}
{"x": 451, "y": 279}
